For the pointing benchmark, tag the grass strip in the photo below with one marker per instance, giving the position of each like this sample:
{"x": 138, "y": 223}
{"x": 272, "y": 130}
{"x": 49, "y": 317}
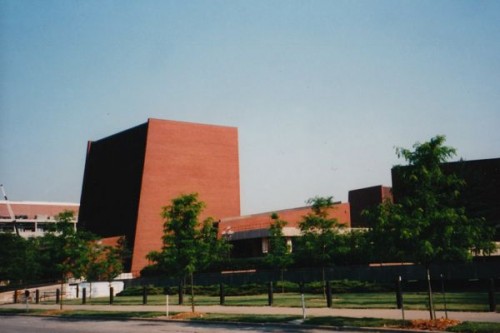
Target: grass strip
{"x": 110, "y": 314}
{"x": 251, "y": 319}
{"x": 475, "y": 327}
{"x": 465, "y": 327}
{"x": 355, "y": 322}
{"x": 83, "y": 313}
{"x": 320, "y": 321}
{"x": 466, "y": 301}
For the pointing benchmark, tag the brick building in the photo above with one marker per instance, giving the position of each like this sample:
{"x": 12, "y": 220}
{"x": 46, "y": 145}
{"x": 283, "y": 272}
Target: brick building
{"x": 131, "y": 175}
{"x": 249, "y": 234}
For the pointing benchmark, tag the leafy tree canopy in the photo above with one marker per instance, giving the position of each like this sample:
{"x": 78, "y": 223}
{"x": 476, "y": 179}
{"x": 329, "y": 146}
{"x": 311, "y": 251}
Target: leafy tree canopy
{"x": 18, "y": 258}
{"x": 188, "y": 246}
{"x": 279, "y": 255}
{"x": 319, "y": 233}
{"x": 427, "y": 224}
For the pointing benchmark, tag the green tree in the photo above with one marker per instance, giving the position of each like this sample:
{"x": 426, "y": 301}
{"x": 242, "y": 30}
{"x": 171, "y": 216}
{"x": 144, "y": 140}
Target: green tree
{"x": 110, "y": 260}
{"x": 280, "y": 254}
{"x": 388, "y": 232}
{"x": 319, "y": 240}
{"x": 18, "y": 259}
{"x": 104, "y": 263}
{"x": 65, "y": 251}
{"x": 353, "y": 248}
{"x": 427, "y": 224}
{"x": 112, "y": 263}
{"x": 95, "y": 265}
{"x": 214, "y": 250}
{"x": 187, "y": 246}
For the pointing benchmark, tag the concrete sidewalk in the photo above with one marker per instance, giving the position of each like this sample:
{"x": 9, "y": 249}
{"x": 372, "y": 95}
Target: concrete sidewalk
{"x": 267, "y": 310}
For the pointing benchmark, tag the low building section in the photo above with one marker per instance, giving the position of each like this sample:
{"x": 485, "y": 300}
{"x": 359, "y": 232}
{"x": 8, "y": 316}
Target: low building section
{"x": 249, "y": 234}
{"x": 33, "y": 218}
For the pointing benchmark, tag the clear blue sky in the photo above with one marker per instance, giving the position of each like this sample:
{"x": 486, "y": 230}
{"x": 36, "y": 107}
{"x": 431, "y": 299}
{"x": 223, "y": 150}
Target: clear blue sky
{"x": 321, "y": 91}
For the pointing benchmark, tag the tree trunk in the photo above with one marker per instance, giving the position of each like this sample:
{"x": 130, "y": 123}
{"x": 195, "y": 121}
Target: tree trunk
{"x": 429, "y": 290}
{"x": 181, "y": 291}
{"x": 324, "y": 282}
{"x": 282, "y": 282}
{"x": 62, "y": 297}
{"x": 192, "y": 294}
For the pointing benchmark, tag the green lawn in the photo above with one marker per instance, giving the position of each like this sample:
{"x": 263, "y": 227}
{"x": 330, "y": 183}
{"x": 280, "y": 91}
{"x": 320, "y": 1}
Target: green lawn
{"x": 470, "y": 301}
{"x": 469, "y": 327}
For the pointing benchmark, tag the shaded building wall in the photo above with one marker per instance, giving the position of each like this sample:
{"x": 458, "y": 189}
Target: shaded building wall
{"x": 183, "y": 158}
{"x": 366, "y": 198}
{"x": 112, "y": 183}
{"x": 481, "y": 194}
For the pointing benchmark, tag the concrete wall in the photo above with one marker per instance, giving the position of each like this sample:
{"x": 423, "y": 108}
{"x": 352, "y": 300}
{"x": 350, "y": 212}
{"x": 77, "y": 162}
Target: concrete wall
{"x": 33, "y": 218}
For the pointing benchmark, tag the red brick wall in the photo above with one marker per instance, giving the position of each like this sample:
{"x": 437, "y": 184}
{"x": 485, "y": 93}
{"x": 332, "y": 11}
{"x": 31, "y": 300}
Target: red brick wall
{"x": 293, "y": 216}
{"x": 110, "y": 241}
{"x": 183, "y": 158}
{"x": 386, "y": 193}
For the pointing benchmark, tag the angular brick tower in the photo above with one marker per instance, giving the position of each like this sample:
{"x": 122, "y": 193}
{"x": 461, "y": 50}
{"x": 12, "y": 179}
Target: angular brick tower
{"x": 131, "y": 175}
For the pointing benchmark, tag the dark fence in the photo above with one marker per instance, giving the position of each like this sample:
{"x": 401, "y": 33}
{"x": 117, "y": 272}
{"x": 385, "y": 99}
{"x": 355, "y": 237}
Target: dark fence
{"x": 30, "y": 285}
{"x": 462, "y": 274}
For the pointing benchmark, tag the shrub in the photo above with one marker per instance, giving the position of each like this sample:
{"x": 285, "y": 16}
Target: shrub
{"x": 137, "y": 291}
